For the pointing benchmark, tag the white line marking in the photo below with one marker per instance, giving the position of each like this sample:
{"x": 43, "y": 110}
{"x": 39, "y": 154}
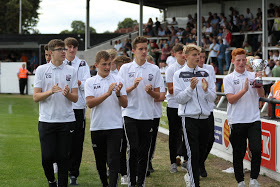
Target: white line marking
{"x": 10, "y": 109}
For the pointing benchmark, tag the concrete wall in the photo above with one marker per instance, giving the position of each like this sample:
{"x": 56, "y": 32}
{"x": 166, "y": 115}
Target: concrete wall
{"x": 89, "y": 55}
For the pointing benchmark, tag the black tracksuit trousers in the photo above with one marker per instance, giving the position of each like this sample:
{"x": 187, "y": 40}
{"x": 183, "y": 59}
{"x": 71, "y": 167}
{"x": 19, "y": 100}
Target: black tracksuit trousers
{"x": 106, "y": 145}
{"x": 239, "y": 134}
{"x": 138, "y": 135}
{"x": 55, "y": 139}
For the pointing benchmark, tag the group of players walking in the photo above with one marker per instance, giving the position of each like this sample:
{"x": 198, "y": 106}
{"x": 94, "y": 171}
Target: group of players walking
{"x": 126, "y": 108}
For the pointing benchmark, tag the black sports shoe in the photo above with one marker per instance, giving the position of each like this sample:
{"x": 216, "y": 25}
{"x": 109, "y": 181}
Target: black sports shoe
{"x": 148, "y": 173}
{"x": 151, "y": 169}
{"x": 73, "y": 181}
{"x": 52, "y": 184}
{"x": 202, "y": 172}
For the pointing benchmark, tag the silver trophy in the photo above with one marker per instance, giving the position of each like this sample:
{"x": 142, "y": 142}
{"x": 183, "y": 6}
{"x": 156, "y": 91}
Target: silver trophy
{"x": 258, "y": 65}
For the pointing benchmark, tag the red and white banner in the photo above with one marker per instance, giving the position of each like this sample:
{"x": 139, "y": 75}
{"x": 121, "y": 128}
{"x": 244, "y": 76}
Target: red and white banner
{"x": 268, "y": 146}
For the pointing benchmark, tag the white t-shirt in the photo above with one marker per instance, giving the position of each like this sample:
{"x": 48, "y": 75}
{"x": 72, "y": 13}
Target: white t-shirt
{"x": 246, "y": 109}
{"x": 108, "y": 114}
{"x": 268, "y": 72}
{"x": 56, "y": 108}
{"x": 171, "y": 102}
{"x": 213, "y": 78}
{"x": 171, "y": 60}
{"x": 83, "y": 74}
{"x": 140, "y": 103}
{"x": 213, "y": 52}
{"x": 158, "y": 105}
{"x": 115, "y": 72}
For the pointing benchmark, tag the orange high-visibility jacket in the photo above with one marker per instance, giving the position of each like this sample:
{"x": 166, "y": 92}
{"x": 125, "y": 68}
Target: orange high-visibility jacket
{"x": 22, "y": 73}
{"x": 275, "y": 91}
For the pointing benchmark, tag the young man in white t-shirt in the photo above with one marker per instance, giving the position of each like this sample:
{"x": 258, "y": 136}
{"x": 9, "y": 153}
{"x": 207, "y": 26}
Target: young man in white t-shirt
{"x": 174, "y": 121}
{"x": 211, "y": 139}
{"x": 142, "y": 82}
{"x": 171, "y": 59}
{"x": 79, "y": 107}
{"x": 193, "y": 90}
{"x": 244, "y": 116}
{"x": 105, "y": 92}
{"x": 55, "y": 88}
{"x": 119, "y": 61}
{"x": 157, "y": 116}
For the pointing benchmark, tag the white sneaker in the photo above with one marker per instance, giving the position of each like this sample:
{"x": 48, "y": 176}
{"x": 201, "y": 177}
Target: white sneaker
{"x": 254, "y": 183}
{"x": 187, "y": 180}
{"x": 241, "y": 184}
{"x": 124, "y": 180}
{"x": 173, "y": 168}
{"x": 55, "y": 169}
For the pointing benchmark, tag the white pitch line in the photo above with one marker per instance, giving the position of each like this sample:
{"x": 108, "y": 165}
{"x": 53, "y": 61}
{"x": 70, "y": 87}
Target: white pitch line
{"x": 10, "y": 109}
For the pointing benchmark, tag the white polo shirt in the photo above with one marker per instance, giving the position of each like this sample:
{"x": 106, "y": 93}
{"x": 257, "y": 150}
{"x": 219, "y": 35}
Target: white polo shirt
{"x": 115, "y": 72}
{"x": 171, "y": 102}
{"x": 140, "y": 103}
{"x": 83, "y": 74}
{"x": 170, "y": 60}
{"x": 158, "y": 105}
{"x": 246, "y": 109}
{"x": 213, "y": 78}
{"x": 56, "y": 108}
{"x": 108, "y": 114}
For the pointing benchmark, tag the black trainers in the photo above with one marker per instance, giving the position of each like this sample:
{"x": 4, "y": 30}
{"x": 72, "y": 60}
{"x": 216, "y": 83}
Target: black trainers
{"x": 73, "y": 181}
{"x": 202, "y": 172}
{"x": 151, "y": 169}
{"x": 52, "y": 184}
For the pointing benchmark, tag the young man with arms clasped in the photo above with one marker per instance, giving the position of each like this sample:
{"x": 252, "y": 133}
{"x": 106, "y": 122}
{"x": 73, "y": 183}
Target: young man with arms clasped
{"x": 55, "y": 88}
{"x": 193, "y": 89}
{"x": 244, "y": 117}
{"x": 142, "y": 82}
{"x": 211, "y": 139}
{"x": 105, "y": 92}
{"x": 174, "y": 121}
{"x": 83, "y": 74}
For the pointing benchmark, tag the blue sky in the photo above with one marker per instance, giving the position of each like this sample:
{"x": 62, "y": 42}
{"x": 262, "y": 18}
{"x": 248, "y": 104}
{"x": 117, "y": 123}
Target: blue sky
{"x": 57, "y": 15}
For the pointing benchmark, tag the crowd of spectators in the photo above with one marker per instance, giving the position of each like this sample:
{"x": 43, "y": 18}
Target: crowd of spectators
{"x": 31, "y": 59}
{"x": 217, "y": 35}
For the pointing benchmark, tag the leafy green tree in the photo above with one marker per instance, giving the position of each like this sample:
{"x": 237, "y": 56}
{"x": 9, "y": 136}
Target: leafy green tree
{"x": 127, "y": 23}
{"x": 78, "y": 27}
{"x": 9, "y": 16}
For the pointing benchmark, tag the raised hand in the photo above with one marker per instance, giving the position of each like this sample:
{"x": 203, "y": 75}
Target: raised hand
{"x": 204, "y": 84}
{"x": 246, "y": 85}
{"x": 136, "y": 81}
{"x": 118, "y": 89}
{"x": 194, "y": 82}
{"x": 148, "y": 88}
{"x": 56, "y": 89}
{"x": 111, "y": 87}
{"x": 66, "y": 90}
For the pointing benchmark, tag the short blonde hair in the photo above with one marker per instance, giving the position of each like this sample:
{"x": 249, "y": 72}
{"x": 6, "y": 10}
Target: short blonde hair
{"x": 191, "y": 47}
{"x": 113, "y": 53}
{"x": 149, "y": 58}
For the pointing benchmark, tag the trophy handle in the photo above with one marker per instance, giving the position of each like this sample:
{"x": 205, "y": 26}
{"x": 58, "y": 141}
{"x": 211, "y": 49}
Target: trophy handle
{"x": 251, "y": 62}
{"x": 265, "y": 63}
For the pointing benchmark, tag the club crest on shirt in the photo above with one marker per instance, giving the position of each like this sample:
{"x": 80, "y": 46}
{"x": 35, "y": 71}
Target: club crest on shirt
{"x": 48, "y": 75}
{"x": 151, "y": 76}
{"x": 82, "y": 63}
{"x": 236, "y": 81}
{"x": 68, "y": 77}
{"x": 131, "y": 74}
{"x": 96, "y": 86}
